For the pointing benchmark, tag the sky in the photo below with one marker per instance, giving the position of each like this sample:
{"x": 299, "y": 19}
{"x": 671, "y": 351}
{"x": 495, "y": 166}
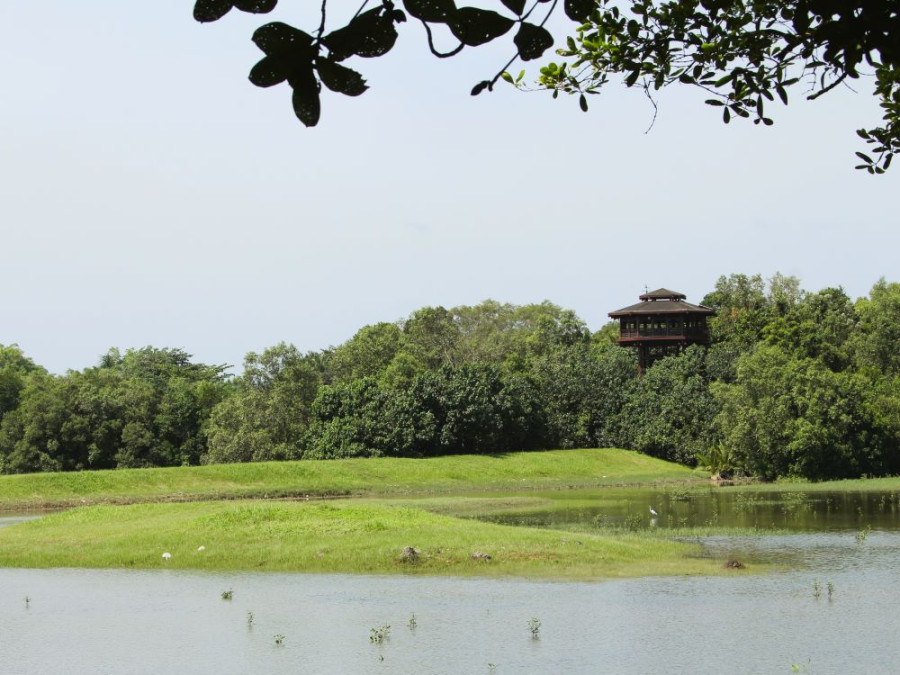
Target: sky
{"x": 150, "y": 195}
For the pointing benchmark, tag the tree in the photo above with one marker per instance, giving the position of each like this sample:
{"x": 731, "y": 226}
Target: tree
{"x": 469, "y": 409}
{"x": 740, "y": 304}
{"x": 742, "y": 53}
{"x": 789, "y": 416}
{"x": 822, "y": 326}
{"x": 14, "y": 368}
{"x": 670, "y": 410}
{"x": 147, "y": 407}
{"x": 879, "y": 336}
{"x": 269, "y": 414}
{"x": 430, "y": 337}
{"x": 582, "y": 391}
{"x": 367, "y": 353}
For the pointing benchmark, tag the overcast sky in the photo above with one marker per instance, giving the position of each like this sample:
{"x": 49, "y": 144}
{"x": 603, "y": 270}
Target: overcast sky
{"x": 150, "y": 195}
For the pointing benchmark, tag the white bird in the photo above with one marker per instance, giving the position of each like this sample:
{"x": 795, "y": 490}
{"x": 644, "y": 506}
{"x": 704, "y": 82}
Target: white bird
{"x": 653, "y": 512}
{"x": 201, "y": 548}
{"x": 166, "y": 556}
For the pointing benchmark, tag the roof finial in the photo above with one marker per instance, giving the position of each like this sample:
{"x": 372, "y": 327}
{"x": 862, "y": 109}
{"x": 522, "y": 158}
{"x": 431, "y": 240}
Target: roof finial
{"x": 646, "y": 288}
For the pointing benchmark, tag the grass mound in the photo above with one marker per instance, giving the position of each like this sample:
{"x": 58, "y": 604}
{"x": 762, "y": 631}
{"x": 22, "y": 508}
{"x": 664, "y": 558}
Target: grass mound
{"x": 345, "y": 536}
{"x": 347, "y": 477}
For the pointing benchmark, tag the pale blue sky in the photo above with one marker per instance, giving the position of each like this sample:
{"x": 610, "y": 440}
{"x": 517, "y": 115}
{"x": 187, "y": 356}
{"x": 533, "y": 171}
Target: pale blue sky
{"x": 149, "y": 194}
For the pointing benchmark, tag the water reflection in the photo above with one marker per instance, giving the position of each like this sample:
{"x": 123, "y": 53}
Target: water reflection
{"x": 680, "y": 507}
{"x": 7, "y": 520}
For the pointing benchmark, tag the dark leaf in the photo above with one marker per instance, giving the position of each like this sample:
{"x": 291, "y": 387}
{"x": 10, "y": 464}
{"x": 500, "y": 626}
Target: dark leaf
{"x": 279, "y": 39}
{"x": 256, "y": 6}
{"x": 435, "y": 11}
{"x": 474, "y": 27}
{"x": 887, "y": 161}
{"x": 864, "y": 157}
{"x": 532, "y": 41}
{"x": 726, "y": 116}
{"x": 211, "y": 10}
{"x": 369, "y": 35}
{"x": 480, "y": 87}
{"x": 713, "y": 101}
{"x": 306, "y": 102}
{"x": 579, "y": 10}
{"x": 268, "y": 72}
{"x": 582, "y": 102}
{"x": 514, "y": 6}
{"x": 340, "y": 78}
{"x": 782, "y": 94}
{"x": 632, "y": 78}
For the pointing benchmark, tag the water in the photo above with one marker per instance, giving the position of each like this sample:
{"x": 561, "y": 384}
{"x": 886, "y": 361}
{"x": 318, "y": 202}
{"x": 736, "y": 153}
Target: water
{"x": 680, "y": 507}
{"x": 167, "y": 621}
{"x": 7, "y": 520}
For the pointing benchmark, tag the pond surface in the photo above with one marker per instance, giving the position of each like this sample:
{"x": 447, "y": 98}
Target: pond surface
{"x": 712, "y": 507}
{"x": 12, "y": 519}
{"x": 167, "y": 621}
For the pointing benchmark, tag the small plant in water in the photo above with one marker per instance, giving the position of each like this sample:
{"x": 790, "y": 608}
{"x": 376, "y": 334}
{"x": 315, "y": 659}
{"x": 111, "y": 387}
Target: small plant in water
{"x": 27, "y": 601}
{"x": 677, "y": 494}
{"x": 830, "y": 590}
{"x": 600, "y": 520}
{"x": 534, "y": 625}
{"x": 379, "y": 634}
{"x": 279, "y": 639}
{"x": 492, "y": 668}
{"x": 863, "y": 534}
{"x": 793, "y": 502}
{"x": 226, "y": 595}
{"x": 249, "y": 619}
{"x": 412, "y": 623}
{"x": 633, "y": 522}
{"x": 817, "y": 590}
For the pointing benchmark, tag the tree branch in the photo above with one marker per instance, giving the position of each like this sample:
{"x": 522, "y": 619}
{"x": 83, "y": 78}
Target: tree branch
{"x": 813, "y": 97}
{"x": 434, "y": 51}
{"x": 361, "y": 8}
{"x": 322, "y": 22}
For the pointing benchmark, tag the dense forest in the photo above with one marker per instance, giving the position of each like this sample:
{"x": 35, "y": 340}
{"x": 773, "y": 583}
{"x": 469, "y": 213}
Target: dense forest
{"x": 795, "y": 383}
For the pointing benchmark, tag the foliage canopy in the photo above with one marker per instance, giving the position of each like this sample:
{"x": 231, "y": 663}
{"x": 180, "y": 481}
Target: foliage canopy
{"x": 745, "y": 54}
{"x": 796, "y": 383}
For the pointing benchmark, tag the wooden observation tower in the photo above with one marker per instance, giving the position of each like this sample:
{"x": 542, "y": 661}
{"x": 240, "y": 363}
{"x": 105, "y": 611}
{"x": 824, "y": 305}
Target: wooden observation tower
{"x": 661, "y": 324}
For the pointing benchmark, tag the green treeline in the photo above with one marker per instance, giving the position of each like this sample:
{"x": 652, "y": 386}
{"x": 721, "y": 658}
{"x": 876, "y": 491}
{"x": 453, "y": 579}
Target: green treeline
{"x": 795, "y": 383}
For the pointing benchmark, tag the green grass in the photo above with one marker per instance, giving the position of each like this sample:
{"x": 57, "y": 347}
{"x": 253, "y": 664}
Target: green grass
{"x": 129, "y": 518}
{"x": 348, "y": 536}
{"x": 555, "y": 469}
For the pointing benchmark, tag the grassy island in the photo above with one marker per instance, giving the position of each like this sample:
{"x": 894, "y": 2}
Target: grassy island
{"x": 269, "y": 517}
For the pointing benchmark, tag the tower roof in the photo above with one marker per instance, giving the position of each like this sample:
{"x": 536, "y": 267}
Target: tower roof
{"x": 662, "y": 301}
{"x": 663, "y": 294}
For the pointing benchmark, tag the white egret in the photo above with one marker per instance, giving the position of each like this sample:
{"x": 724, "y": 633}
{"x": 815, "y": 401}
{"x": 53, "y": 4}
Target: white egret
{"x": 653, "y": 512}
{"x": 166, "y": 556}
{"x": 201, "y": 548}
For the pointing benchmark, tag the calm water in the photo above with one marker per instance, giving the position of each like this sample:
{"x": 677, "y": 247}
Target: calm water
{"x": 97, "y": 621}
{"x": 775, "y": 509}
